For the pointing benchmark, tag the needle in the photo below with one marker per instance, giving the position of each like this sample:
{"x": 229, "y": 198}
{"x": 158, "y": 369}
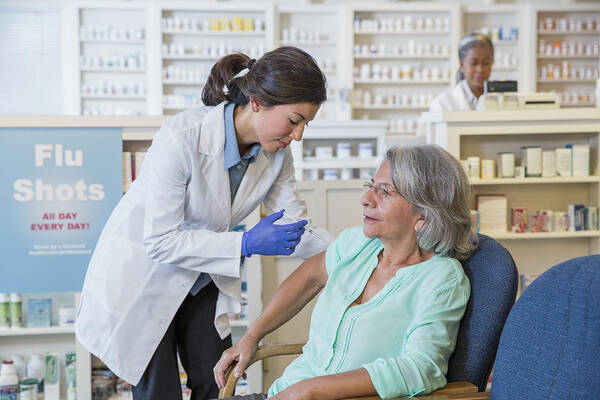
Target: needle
{"x": 321, "y": 238}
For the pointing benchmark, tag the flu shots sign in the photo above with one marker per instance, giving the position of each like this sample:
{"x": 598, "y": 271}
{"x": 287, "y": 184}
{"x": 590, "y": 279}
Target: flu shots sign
{"x": 59, "y": 186}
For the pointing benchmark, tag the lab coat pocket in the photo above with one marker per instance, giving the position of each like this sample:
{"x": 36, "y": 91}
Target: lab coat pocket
{"x": 117, "y": 277}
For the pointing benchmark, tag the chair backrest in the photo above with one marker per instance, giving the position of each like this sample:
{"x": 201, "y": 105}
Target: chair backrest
{"x": 550, "y": 346}
{"x": 494, "y": 282}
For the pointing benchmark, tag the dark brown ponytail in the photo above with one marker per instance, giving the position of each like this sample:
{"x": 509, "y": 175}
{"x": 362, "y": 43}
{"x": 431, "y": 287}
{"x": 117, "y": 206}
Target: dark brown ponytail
{"x": 286, "y": 75}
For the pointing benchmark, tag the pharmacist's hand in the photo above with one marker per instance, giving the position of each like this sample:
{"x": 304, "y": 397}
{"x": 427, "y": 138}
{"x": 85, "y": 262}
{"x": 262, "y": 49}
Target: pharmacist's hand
{"x": 242, "y": 352}
{"x": 268, "y": 238}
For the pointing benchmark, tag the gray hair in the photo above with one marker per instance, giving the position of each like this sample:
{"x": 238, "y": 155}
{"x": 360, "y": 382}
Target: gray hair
{"x": 467, "y": 43}
{"x": 436, "y": 186}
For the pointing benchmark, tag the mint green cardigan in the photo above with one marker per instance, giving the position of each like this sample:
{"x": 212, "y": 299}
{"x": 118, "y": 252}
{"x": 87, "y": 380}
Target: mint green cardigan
{"x": 403, "y": 336}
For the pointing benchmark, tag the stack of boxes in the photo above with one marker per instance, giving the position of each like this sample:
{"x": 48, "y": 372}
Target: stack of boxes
{"x": 573, "y": 160}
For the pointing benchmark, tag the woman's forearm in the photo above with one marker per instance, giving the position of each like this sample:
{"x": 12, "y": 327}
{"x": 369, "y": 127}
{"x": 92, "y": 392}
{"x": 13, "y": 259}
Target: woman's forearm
{"x": 355, "y": 383}
{"x": 291, "y": 296}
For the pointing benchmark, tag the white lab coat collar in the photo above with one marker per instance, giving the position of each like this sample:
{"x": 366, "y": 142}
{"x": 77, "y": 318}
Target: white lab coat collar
{"x": 472, "y": 99}
{"x": 212, "y": 143}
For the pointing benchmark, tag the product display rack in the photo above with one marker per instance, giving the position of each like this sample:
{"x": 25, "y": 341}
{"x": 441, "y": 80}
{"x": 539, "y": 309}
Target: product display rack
{"x": 319, "y": 30}
{"x": 173, "y": 76}
{"x": 532, "y": 180}
{"x": 402, "y": 56}
{"x": 329, "y": 134}
{"x": 566, "y": 51}
{"x": 192, "y": 38}
{"x": 59, "y": 339}
{"x": 485, "y": 134}
{"x": 108, "y": 52}
{"x": 507, "y": 25}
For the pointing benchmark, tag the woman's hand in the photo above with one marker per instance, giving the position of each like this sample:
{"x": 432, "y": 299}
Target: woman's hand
{"x": 298, "y": 391}
{"x": 242, "y": 352}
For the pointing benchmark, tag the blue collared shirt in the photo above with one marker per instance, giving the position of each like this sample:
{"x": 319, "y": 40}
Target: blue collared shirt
{"x": 237, "y": 166}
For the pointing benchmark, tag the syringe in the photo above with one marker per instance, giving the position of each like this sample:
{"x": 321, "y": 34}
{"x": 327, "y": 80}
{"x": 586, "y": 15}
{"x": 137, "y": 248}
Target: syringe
{"x": 306, "y": 227}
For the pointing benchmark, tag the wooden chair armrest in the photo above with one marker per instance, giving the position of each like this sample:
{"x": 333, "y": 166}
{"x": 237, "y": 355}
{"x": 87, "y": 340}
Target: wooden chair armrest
{"x": 453, "y": 390}
{"x": 458, "y": 396}
{"x": 264, "y": 351}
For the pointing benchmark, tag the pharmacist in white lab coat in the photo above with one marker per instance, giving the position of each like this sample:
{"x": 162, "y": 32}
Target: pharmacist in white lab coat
{"x": 166, "y": 269}
{"x": 476, "y": 56}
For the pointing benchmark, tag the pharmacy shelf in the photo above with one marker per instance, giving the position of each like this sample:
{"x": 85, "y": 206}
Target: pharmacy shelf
{"x": 299, "y": 44}
{"x": 578, "y": 105}
{"x": 213, "y": 33}
{"x": 566, "y": 80}
{"x": 567, "y": 57}
{"x": 543, "y": 235}
{"x": 111, "y": 97}
{"x": 392, "y": 108}
{"x": 190, "y": 57}
{"x": 119, "y": 70}
{"x": 409, "y": 33}
{"x": 527, "y": 181}
{"x": 351, "y": 129}
{"x": 498, "y": 43}
{"x": 408, "y": 134}
{"x": 504, "y": 69}
{"x": 401, "y": 82}
{"x": 403, "y": 139}
{"x": 183, "y": 83}
{"x": 352, "y": 162}
{"x": 577, "y": 33}
{"x": 51, "y": 330}
{"x": 112, "y": 41}
{"x": 400, "y": 57}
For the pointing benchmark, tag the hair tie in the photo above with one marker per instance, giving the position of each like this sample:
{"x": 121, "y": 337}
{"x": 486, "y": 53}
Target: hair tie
{"x": 250, "y": 63}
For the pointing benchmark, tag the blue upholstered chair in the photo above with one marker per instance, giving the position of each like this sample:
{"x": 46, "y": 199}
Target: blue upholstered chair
{"x": 494, "y": 280}
{"x": 550, "y": 345}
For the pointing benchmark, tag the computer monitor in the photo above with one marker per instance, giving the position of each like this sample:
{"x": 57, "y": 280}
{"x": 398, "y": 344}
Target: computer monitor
{"x": 500, "y": 86}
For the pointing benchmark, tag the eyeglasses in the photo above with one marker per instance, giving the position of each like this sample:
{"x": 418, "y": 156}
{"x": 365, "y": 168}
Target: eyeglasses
{"x": 381, "y": 190}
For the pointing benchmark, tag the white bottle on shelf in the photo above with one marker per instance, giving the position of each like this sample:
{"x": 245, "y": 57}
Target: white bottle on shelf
{"x": 19, "y": 364}
{"x": 35, "y": 367}
{"x": 9, "y": 381}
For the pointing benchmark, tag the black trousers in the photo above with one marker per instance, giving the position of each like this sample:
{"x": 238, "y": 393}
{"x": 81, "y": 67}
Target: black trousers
{"x": 192, "y": 334}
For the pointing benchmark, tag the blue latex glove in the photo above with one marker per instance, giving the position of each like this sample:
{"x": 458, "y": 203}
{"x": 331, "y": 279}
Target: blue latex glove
{"x": 267, "y": 238}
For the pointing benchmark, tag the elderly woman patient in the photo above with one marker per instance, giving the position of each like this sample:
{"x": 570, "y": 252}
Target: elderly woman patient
{"x": 392, "y": 291}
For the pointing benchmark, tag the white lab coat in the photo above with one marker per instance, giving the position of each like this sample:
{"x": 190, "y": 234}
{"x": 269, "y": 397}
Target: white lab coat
{"x": 457, "y": 98}
{"x": 173, "y": 224}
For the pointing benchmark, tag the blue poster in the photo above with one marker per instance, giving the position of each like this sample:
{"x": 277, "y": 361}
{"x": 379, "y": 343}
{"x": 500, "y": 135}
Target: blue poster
{"x": 59, "y": 186}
